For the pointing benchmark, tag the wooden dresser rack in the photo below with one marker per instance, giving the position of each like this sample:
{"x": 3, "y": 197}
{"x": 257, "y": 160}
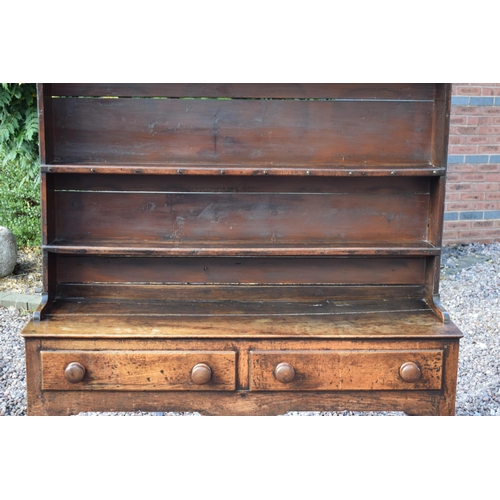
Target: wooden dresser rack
{"x": 242, "y": 249}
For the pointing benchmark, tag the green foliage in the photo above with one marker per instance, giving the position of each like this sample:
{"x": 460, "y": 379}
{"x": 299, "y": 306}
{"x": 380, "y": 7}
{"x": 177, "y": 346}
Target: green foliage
{"x": 19, "y": 164}
{"x": 20, "y": 206}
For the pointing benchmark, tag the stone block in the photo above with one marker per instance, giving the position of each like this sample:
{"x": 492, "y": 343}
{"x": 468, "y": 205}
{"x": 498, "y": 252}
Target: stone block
{"x": 8, "y": 252}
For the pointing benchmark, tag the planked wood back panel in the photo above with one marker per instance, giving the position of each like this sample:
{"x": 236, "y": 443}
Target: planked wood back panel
{"x": 237, "y": 271}
{"x": 276, "y": 132}
{"x": 94, "y": 209}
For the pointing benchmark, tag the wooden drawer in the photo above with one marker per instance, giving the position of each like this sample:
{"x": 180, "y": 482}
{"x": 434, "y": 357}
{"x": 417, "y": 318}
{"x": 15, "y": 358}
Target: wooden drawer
{"x": 346, "y": 370}
{"x": 139, "y": 370}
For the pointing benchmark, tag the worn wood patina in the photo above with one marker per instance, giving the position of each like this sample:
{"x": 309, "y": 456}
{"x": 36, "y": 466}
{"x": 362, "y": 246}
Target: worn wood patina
{"x": 242, "y": 249}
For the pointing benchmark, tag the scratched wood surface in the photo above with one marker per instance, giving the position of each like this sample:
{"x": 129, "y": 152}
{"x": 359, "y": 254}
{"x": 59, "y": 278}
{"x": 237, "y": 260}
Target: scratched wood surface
{"x": 280, "y": 217}
{"x": 244, "y": 270}
{"x": 262, "y": 223}
{"x": 250, "y": 132}
{"x": 139, "y": 371}
{"x": 127, "y": 292}
{"x": 238, "y": 215}
{"x": 242, "y": 401}
{"x": 341, "y": 370}
{"x": 419, "y": 323}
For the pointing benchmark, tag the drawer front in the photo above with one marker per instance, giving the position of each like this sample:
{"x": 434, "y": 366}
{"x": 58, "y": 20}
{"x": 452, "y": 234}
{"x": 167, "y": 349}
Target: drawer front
{"x": 139, "y": 370}
{"x": 345, "y": 370}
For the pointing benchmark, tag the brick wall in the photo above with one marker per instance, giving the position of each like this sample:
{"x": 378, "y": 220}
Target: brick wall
{"x": 472, "y": 209}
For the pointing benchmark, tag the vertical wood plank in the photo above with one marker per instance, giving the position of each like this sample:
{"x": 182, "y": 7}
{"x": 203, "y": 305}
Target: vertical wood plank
{"x": 34, "y": 377}
{"x": 45, "y": 129}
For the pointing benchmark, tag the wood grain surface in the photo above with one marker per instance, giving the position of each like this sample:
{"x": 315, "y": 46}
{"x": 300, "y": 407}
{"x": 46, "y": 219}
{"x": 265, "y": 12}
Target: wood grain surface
{"x": 244, "y": 270}
{"x": 250, "y": 132}
{"x": 344, "y": 370}
{"x": 396, "y": 91}
{"x": 138, "y": 371}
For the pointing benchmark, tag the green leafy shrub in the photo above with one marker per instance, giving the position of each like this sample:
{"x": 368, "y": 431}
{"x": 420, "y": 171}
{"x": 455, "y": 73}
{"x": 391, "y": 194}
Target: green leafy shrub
{"x": 19, "y": 163}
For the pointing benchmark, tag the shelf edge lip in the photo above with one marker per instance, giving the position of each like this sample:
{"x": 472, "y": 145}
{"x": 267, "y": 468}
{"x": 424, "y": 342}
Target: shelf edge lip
{"x": 332, "y": 337}
{"x": 249, "y": 170}
{"x": 282, "y": 251}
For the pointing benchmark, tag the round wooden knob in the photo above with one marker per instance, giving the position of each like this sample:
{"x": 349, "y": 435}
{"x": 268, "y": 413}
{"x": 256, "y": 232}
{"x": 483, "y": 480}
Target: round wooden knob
{"x": 410, "y": 372}
{"x": 74, "y": 372}
{"x": 284, "y": 373}
{"x": 201, "y": 374}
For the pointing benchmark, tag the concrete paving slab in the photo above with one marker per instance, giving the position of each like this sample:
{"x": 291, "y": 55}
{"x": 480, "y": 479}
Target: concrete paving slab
{"x": 20, "y": 301}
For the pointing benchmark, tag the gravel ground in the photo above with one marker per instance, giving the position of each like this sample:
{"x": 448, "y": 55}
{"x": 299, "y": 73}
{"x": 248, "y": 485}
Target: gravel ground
{"x": 27, "y": 275}
{"x": 470, "y": 290}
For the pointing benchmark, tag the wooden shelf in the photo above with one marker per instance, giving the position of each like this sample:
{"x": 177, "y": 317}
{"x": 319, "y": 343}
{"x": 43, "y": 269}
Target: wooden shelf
{"x": 399, "y": 318}
{"x": 243, "y": 249}
{"x": 326, "y": 170}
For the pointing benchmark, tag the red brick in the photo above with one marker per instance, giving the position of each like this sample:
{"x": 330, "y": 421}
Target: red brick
{"x": 458, "y": 139}
{"x": 460, "y": 120}
{"x": 449, "y": 235}
{"x": 482, "y": 223}
{"x": 468, "y": 91}
{"x": 484, "y": 205}
{"x": 456, "y": 177}
{"x": 492, "y": 233}
{"x": 494, "y": 120}
{"x": 483, "y": 187}
{"x": 492, "y": 196}
{"x": 490, "y": 110}
{"x": 492, "y": 177}
{"x": 490, "y": 91}
{"x": 489, "y": 130}
{"x": 483, "y": 84}
{"x": 466, "y": 110}
{"x": 464, "y": 130}
{"x": 474, "y": 177}
{"x": 484, "y": 120}
{"x": 479, "y": 139}
{"x": 471, "y": 197}
{"x": 492, "y": 205}
{"x": 469, "y": 234}
{"x": 453, "y": 197}
{"x": 489, "y": 167}
{"x": 460, "y": 187}
{"x": 455, "y": 149}
{"x": 473, "y": 120}
{"x": 457, "y": 207}
{"x": 461, "y": 167}
{"x": 488, "y": 150}
{"x": 454, "y": 225}
{"x": 497, "y": 223}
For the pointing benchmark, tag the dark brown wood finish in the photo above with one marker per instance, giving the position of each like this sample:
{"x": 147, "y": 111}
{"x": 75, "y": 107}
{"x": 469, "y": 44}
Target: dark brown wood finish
{"x": 245, "y": 217}
{"x": 139, "y": 370}
{"x": 250, "y": 132}
{"x": 242, "y": 249}
{"x": 345, "y": 370}
{"x": 236, "y": 271}
{"x": 408, "y": 169}
{"x": 242, "y": 401}
{"x": 45, "y": 121}
{"x": 392, "y": 91}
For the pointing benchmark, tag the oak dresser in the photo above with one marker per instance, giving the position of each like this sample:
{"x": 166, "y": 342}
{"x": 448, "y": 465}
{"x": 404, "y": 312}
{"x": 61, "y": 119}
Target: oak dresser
{"x": 242, "y": 249}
